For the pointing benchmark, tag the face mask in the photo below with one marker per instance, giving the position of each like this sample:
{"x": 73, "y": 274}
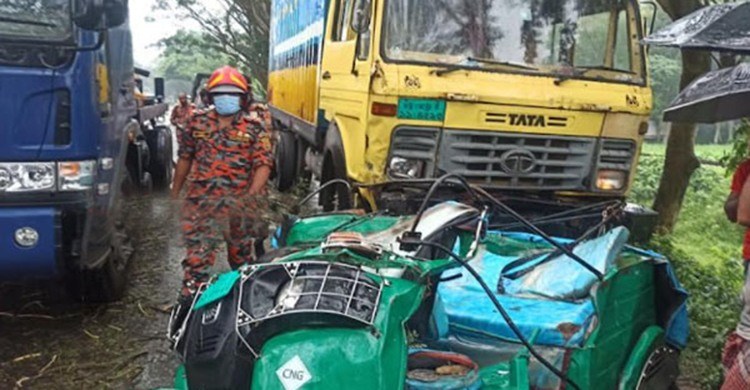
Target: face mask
{"x": 227, "y": 104}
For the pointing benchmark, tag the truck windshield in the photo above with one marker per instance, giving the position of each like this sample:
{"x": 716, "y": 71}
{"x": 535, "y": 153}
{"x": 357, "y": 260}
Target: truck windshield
{"x": 44, "y": 20}
{"x": 569, "y": 38}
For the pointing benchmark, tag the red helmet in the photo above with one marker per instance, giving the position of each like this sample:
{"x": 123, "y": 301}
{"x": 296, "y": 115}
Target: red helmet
{"x": 227, "y": 80}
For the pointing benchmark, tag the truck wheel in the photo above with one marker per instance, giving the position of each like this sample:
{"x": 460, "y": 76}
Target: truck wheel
{"x": 335, "y": 197}
{"x": 160, "y": 162}
{"x": 147, "y": 184}
{"x": 106, "y": 283}
{"x": 161, "y": 175}
{"x": 285, "y": 161}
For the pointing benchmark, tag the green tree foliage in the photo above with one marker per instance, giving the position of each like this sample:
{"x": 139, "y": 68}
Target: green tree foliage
{"x": 739, "y": 151}
{"x": 705, "y": 250}
{"x": 665, "y": 79}
{"x": 187, "y": 53}
{"x": 238, "y": 28}
{"x": 665, "y": 68}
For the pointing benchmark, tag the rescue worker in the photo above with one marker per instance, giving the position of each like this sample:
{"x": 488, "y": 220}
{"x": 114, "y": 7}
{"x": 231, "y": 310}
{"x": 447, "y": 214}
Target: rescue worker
{"x": 182, "y": 112}
{"x": 736, "y": 354}
{"x": 227, "y": 155}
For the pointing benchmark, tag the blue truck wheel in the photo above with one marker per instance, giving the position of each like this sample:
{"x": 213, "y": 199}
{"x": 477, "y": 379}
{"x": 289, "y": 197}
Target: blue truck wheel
{"x": 107, "y": 282}
{"x": 160, "y": 162}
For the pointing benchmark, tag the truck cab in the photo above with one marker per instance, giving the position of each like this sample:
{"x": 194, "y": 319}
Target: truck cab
{"x": 67, "y": 96}
{"x": 546, "y": 100}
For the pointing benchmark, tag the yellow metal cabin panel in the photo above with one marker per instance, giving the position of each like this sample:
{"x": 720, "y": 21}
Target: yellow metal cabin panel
{"x": 529, "y": 120}
{"x": 345, "y": 86}
{"x": 520, "y": 90}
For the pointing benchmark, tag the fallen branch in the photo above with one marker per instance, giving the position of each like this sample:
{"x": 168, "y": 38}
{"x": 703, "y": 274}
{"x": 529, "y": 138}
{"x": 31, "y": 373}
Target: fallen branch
{"x": 93, "y": 336}
{"x": 47, "y": 366}
{"x": 21, "y": 316}
{"x": 26, "y": 357}
{"x": 142, "y": 310}
{"x": 21, "y": 381}
{"x": 117, "y": 328}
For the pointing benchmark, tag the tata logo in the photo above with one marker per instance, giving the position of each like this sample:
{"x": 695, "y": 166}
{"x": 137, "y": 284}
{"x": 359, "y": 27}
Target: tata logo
{"x": 527, "y": 120}
{"x": 518, "y": 162}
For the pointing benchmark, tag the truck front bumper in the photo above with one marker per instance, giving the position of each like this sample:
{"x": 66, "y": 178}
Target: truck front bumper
{"x": 40, "y": 260}
{"x": 59, "y": 222}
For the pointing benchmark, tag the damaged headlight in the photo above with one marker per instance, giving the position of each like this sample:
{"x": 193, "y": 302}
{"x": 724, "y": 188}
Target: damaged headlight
{"x": 404, "y": 168}
{"x": 27, "y": 177}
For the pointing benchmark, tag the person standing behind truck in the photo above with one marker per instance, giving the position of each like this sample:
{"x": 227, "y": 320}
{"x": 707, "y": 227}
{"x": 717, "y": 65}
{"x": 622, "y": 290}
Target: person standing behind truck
{"x": 736, "y": 354}
{"x": 227, "y": 154}
{"x": 182, "y": 112}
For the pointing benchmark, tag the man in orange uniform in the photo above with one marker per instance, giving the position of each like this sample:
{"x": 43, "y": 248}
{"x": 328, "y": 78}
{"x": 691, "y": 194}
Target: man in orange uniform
{"x": 182, "y": 112}
{"x": 227, "y": 154}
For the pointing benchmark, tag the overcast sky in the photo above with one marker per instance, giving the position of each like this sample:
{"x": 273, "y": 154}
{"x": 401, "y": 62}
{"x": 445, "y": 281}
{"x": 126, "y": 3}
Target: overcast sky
{"x": 146, "y": 34}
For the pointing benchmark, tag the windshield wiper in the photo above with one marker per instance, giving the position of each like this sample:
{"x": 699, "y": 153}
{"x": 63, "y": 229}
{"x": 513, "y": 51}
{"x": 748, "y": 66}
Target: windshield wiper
{"x": 502, "y": 63}
{"x": 449, "y": 69}
{"x": 5, "y": 19}
{"x": 467, "y": 64}
{"x": 582, "y": 70}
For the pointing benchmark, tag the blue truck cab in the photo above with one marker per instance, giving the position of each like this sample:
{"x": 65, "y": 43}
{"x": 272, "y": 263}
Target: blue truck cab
{"x": 70, "y": 124}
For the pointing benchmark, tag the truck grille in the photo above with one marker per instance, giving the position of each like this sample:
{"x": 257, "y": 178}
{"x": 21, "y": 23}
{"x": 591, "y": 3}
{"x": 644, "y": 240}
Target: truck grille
{"x": 616, "y": 154}
{"x": 519, "y": 161}
{"x": 416, "y": 144}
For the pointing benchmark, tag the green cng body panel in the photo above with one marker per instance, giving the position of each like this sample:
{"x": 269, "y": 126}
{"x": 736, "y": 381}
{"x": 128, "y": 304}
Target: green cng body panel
{"x": 315, "y": 230}
{"x": 625, "y": 308}
{"x": 344, "y": 358}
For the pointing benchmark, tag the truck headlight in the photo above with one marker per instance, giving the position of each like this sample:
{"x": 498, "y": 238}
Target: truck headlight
{"x": 76, "y": 175}
{"x": 608, "y": 180}
{"x": 5, "y": 179}
{"x": 404, "y": 168}
{"x": 27, "y": 177}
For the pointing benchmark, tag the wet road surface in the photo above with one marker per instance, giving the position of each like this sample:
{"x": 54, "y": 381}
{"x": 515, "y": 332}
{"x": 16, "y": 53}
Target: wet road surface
{"x": 49, "y": 342}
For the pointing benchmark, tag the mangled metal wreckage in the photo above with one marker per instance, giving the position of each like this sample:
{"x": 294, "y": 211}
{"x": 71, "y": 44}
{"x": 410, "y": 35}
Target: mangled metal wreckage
{"x": 442, "y": 299}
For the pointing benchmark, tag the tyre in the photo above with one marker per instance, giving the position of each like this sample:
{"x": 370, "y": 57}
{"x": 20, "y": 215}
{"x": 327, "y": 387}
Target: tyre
{"x": 660, "y": 370}
{"x": 335, "y": 197}
{"x": 160, "y": 163}
{"x": 147, "y": 184}
{"x": 285, "y": 164}
{"x": 106, "y": 283}
{"x": 161, "y": 175}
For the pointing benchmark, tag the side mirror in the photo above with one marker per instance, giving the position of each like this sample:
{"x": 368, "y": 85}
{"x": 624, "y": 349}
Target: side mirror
{"x": 159, "y": 88}
{"x": 115, "y": 12}
{"x": 361, "y": 20}
{"x": 87, "y": 14}
{"x": 648, "y": 25}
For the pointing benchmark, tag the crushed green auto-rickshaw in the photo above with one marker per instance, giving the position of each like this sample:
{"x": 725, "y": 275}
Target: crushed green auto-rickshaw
{"x": 444, "y": 298}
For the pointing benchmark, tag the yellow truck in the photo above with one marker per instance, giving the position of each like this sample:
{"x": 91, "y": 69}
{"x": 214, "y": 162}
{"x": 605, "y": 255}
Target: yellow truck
{"x": 547, "y": 98}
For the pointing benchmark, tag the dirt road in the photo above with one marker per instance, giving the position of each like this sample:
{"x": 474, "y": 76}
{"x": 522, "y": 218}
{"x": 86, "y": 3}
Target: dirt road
{"x": 49, "y": 342}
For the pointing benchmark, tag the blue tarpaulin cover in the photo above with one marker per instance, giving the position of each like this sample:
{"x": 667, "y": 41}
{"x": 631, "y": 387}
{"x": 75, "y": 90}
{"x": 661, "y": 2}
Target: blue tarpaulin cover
{"x": 553, "y": 299}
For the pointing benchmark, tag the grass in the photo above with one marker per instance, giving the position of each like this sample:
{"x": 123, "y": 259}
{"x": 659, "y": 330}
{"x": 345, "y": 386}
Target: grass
{"x": 710, "y": 153}
{"x": 706, "y": 251}
{"x": 702, "y": 230}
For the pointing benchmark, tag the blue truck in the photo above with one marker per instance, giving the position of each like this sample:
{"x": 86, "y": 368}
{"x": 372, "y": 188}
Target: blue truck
{"x": 75, "y": 134}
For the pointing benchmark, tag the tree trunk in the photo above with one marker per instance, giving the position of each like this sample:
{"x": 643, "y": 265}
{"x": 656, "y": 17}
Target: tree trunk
{"x": 680, "y": 162}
